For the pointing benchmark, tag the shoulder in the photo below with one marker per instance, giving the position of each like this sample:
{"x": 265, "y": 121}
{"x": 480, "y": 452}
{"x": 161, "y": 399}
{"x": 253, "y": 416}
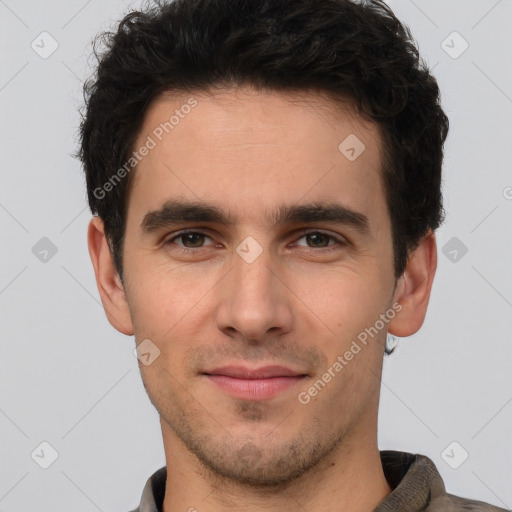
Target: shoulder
{"x": 417, "y": 486}
{"x": 452, "y": 503}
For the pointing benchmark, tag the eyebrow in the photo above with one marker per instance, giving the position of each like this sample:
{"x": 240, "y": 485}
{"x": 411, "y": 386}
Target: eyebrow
{"x": 174, "y": 212}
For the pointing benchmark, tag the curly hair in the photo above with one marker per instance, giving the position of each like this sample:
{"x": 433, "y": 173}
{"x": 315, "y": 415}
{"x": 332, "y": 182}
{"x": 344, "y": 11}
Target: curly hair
{"x": 349, "y": 50}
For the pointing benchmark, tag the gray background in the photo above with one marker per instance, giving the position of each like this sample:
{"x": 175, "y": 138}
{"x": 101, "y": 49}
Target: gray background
{"x": 68, "y": 378}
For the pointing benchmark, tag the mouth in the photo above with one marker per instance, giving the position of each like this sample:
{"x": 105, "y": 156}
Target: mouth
{"x": 261, "y": 383}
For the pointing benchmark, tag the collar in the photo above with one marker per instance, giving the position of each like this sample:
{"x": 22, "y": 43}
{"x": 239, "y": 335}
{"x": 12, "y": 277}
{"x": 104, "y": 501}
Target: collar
{"x": 413, "y": 478}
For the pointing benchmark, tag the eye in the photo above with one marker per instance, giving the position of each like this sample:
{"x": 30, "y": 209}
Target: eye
{"x": 190, "y": 240}
{"x": 320, "y": 239}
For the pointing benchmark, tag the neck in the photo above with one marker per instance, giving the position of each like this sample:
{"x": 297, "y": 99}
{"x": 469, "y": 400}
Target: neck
{"x": 350, "y": 479}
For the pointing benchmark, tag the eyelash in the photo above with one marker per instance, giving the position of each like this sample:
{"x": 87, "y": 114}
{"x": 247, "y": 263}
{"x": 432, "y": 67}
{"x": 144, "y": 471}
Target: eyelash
{"x": 303, "y": 233}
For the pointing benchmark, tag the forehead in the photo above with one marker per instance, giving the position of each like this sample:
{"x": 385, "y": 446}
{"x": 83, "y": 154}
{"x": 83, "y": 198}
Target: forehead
{"x": 247, "y": 150}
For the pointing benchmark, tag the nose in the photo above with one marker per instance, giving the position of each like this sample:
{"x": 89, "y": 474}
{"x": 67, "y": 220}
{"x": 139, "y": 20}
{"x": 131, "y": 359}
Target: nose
{"x": 254, "y": 300}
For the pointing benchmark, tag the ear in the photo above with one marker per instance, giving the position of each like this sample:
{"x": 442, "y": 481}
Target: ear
{"x": 109, "y": 284}
{"x": 413, "y": 288}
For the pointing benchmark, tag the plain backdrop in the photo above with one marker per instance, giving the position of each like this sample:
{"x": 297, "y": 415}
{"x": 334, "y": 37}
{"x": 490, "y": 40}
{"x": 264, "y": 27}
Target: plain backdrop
{"x": 67, "y": 378}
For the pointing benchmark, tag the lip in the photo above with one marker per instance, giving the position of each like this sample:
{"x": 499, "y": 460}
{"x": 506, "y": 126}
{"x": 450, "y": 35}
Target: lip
{"x": 261, "y": 383}
{"x": 263, "y": 372}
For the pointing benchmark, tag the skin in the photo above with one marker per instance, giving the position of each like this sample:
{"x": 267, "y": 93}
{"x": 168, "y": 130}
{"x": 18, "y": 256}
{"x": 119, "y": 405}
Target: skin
{"x": 296, "y": 305}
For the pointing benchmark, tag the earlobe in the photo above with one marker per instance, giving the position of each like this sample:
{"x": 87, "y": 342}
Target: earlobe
{"x": 109, "y": 284}
{"x": 414, "y": 287}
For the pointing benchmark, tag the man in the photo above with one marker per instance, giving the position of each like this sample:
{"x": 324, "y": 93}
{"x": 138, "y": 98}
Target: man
{"x": 265, "y": 178}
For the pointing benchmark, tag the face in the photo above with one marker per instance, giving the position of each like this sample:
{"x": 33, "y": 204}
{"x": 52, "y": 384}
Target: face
{"x": 287, "y": 262}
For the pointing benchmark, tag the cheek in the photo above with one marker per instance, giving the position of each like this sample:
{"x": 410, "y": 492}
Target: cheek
{"x": 161, "y": 295}
{"x": 347, "y": 301}
{"x": 168, "y": 308}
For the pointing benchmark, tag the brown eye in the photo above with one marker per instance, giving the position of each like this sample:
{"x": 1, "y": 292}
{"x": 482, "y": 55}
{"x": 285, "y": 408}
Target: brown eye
{"x": 188, "y": 240}
{"x": 195, "y": 239}
{"x": 318, "y": 239}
